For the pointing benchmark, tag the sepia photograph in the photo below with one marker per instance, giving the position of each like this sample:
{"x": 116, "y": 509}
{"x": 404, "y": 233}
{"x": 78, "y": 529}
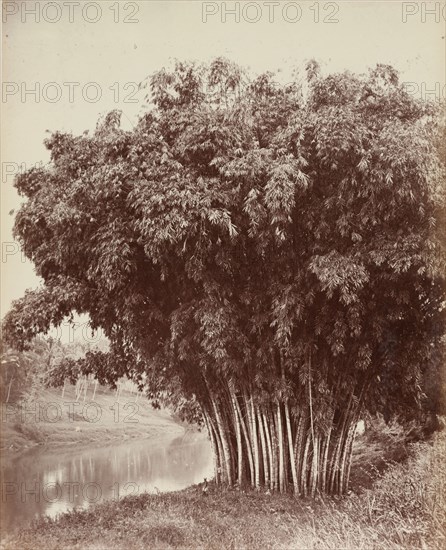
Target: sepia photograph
{"x": 223, "y": 262}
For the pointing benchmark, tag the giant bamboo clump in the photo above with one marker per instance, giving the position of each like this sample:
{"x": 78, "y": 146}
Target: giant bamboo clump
{"x": 268, "y": 259}
{"x": 289, "y": 429}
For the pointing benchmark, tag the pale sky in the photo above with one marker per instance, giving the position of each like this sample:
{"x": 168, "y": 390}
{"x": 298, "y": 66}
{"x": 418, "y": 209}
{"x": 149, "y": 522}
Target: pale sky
{"x": 97, "y": 47}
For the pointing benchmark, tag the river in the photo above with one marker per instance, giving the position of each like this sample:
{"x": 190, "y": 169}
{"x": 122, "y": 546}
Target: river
{"x": 47, "y": 481}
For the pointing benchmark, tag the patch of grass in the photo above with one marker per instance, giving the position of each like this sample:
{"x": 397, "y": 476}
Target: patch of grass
{"x": 373, "y": 452}
{"x": 403, "y": 510}
{"x": 31, "y": 432}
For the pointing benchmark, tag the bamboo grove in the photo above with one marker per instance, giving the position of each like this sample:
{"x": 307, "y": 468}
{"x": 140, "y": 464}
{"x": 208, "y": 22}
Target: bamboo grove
{"x": 266, "y": 258}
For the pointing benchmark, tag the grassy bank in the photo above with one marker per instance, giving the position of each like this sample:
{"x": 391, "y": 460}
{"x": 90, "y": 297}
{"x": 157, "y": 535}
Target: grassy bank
{"x": 58, "y": 420}
{"x": 404, "y": 509}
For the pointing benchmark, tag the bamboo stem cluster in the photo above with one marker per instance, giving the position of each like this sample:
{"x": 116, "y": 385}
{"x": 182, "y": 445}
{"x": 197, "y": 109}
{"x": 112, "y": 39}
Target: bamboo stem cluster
{"x": 277, "y": 445}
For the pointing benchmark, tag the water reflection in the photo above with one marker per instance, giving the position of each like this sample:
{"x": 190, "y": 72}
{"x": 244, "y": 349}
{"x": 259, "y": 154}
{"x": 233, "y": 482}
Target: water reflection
{"x": 48, "y": 482}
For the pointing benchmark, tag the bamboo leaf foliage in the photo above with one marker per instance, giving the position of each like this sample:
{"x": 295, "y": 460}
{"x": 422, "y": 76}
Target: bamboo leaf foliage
{"x": 263, "y": 258}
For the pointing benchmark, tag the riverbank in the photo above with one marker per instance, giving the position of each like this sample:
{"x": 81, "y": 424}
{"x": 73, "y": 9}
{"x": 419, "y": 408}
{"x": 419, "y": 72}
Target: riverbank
{"x": 404, "y": 508}
{"x": 57, "y": 420}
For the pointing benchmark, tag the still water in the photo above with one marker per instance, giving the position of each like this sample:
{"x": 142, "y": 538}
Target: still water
{"x": 49, "y": 482}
